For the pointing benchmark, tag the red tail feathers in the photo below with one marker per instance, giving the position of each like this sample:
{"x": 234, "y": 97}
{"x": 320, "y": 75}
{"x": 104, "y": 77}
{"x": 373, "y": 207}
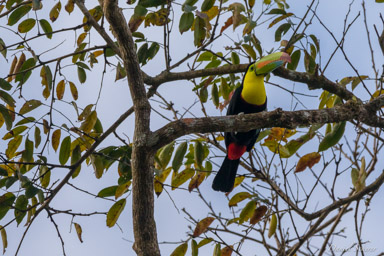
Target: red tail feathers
{"x": 236, "y": 151}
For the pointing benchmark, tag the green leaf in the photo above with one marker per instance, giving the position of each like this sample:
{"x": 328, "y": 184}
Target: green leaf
{"x": 7, "y": 98}
{"x": 46, "y": 28}
{"x": 204, "y": 242}
{"x": 14, "y": 132}
{"x": 45, "y": 176}
{"x": 186, "y": 22}
{"x": 247, "y": 211}
{"x": 98, "y": 165}
{"x": 152, "y": 3}
{"x": 207, "y": 4}
{"x": 6, "y": 116}
{"x": 235, "y": 58}
{"x": 249, "y": 50}
{"x": 194, "y": 247}
{"x": 76, "y": 155}
{"x": 152, "y": 51}
{"x": 31, "y": 191}
{"x": 3, "y": 49}
{"x": 180, "y": 250}
{"x": 295, "y": 58}
{"x": 65, "y": 150}
{"x": 108, "y": 191}
{"x": 309, "y": 63}
{"x": 199, "y": 153}
{"x": 17, "y": 14}
{"x": 6, "y": 202}
{"x": 28, "y": 151}
{"x": 179, "y": 155}
{"x": 140, "y": 10}
{"x": 215, "y": 95}
{"x": 166, "y": 154}
{"x": 5, "y": 85}
{"x": 281, "y": 30}
{"x": 276, "y": 11}
{"x": 217, "y": 250}
{"x": 205, "y": 56}
{"x": 20, "y": 208}
{"x": 115, "y": 211}
{"x": 81, "y": 75}
{"x": 26, "y": 25}
{"x": 199, "y": 31}
{"x": 142, "y": 54}
{"x": 29, "y": 106}
{"x": 203, "y": 94}
{"x": 23, "y": 76}
{"x": 333, "y": 137}
{"x": 37, "y": 136}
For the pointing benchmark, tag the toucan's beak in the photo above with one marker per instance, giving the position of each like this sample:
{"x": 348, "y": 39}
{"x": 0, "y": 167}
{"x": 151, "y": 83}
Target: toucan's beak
{"x": 271, "y": 62}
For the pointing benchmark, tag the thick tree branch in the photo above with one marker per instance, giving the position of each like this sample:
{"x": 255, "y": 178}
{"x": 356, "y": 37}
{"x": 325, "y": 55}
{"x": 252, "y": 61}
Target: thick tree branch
{"x": 277, "y": 118}
{"x": 144, "y": 226}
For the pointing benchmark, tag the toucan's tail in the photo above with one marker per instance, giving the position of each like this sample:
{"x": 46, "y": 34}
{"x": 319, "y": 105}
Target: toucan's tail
{"x": 225, "y": 178}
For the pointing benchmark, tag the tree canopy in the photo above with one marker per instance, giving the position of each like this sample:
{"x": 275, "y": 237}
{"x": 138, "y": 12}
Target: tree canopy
{"x": 113, "y": 112}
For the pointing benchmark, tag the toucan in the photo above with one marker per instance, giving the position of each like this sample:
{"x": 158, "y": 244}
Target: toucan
{"x": 248, "y": 98}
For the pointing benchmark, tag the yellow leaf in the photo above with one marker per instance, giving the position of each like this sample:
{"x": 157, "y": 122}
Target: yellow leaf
{"x": 89, "y": 122}
{"x": 74, "y": 91}
{"x": 202, "y": 226}
{"x": 4, "y": 238}
{"x": 60, "y": 89}
{"x": 56, "y": 139}
{"x": 307, "y": 160}
{"x": 238, "y": 181}
{"x": 180, "y": 250}
{"x": 98, "y": 53}
{"x": 79, "y": 231}
{"x": 115, "y": 211}
{"x": 272, "y": 226}
{"x": 238, "y": 198}
{"x": 81, "y": 38}
{"x": 280, "y": 18}
{"x": 182, "y": 177}
{"x": 121, "y": 189}
{"x": 13, "y": 145}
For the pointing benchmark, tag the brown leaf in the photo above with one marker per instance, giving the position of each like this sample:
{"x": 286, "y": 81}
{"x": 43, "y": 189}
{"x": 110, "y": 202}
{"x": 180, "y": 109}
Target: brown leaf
{"x": 227, "y": 251}
{"x": 196, "y": 181}
{"x": 202, "y": 226}
{"x": 258, "y": 214}
{"x": 307, "y": 160}
{"x": 227, "y": 24}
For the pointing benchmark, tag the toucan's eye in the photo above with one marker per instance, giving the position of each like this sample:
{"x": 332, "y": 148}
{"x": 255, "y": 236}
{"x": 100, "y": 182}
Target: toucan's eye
{"x": 252, "y": 68}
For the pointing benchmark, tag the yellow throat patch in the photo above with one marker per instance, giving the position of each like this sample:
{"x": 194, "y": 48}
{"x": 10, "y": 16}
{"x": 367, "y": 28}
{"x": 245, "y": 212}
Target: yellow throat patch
{"x": 253, "y": 88}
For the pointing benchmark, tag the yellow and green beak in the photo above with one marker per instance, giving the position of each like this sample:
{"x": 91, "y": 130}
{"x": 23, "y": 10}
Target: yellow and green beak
{"x": 270, "y": 62}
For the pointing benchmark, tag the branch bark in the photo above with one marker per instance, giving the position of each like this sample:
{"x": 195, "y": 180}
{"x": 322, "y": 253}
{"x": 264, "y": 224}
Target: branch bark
{"x": 144, "y": 226}
{"x": 288, "y": 119}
